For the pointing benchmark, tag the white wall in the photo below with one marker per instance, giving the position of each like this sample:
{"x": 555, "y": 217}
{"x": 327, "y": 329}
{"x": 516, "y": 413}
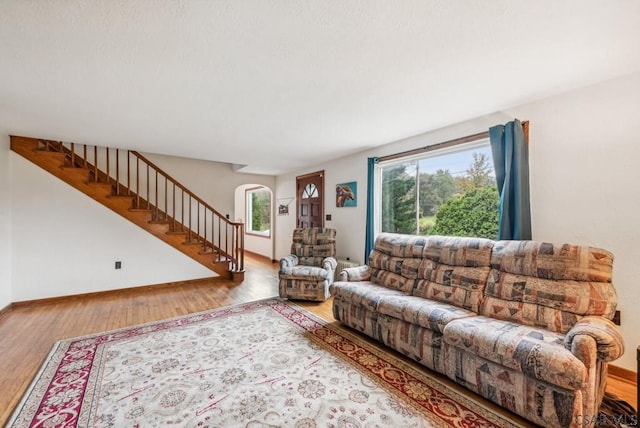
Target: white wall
{"x": 585, "y": 182}
{"x": 66, "y": 243}
{"x": 5, "y": 221}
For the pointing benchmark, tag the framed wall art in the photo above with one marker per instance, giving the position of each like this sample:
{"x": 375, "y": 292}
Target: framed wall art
{"x": 347, "y": 194}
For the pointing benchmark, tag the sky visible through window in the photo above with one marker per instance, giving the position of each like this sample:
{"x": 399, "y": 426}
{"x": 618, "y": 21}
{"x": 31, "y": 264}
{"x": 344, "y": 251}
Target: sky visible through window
{"x": 457, "y": 163}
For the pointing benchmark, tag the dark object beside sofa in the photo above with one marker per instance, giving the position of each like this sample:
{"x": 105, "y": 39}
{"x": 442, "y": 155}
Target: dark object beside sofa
{"x": 525, "y": 324}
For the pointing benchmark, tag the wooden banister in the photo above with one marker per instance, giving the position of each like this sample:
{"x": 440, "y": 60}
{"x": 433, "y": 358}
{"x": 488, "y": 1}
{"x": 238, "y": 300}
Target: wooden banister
{"x": 180, "y": 186}
{"x": 206, "y": 226}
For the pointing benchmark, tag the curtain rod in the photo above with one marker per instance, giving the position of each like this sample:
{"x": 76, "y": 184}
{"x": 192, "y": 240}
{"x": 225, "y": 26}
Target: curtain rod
{"x": 433, "y": 147}
{"x": 447, "y": 144}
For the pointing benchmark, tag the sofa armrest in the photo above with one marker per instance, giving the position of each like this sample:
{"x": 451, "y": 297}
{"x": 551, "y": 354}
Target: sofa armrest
{"x": 359, "y": 273}
{"x": 329, "y": 263}
{"x": 288, "y": 261}
{"x": 609, "y": 341}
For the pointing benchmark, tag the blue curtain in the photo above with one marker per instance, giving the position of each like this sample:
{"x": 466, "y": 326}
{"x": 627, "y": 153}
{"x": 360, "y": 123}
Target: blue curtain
{"x": 369, "y": 238}
{"x": 511, "y": 161}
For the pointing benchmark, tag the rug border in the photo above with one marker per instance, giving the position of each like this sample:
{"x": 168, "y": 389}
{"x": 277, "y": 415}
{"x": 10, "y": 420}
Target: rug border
{"x": 423, "y": 374}
{"x": 56, "y": 347}
{"x": 27, "y": 393}
{"x": 464, "y": 398}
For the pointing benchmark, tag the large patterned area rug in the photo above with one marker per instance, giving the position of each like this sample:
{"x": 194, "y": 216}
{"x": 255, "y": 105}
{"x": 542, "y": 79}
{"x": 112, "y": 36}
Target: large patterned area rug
{"x": 262, "y": 364}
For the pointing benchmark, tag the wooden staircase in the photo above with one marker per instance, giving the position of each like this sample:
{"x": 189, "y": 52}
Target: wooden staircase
{"x": 134, "y": 187}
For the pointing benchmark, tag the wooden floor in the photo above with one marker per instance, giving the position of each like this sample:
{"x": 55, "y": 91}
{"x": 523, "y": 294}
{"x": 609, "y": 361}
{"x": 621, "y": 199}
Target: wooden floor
{"x": 28, "y": 332}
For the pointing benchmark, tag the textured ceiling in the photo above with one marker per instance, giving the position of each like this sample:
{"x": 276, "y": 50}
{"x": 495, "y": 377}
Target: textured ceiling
{"x": 280, "y": 85}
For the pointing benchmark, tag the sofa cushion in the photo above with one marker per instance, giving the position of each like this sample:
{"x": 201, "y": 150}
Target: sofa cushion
{"x": 364, "y": 293}
{"x": 579, "y": 297}
{"x": 535, "y": 352}
{"x": 548, "y": 285}
{"x": 387, "y": 270}
{"x": 308, "y": 273}
{"x": 459, "y": 251}
{"x": 312, "y": 245}
{"x": 553, "y": 261}
{"x": 454, "y": 270}
{"x": 528, "y": 314}
{"x": 458, "y": 285}
{"x": 425, "y": 313}
{"x": 382, "y": 261}
{"x": 391, "y": 280}
{"x": 553, "y": 304}
{"x": 398, "y": 245}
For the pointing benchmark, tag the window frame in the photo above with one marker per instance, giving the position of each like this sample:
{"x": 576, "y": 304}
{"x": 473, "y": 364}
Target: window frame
{"x": 480, "y": 140}
{"x": 249, "y": 216}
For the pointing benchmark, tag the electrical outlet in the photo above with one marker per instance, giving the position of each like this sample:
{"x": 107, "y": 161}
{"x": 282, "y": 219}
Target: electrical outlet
{"x": 118, "y": 265}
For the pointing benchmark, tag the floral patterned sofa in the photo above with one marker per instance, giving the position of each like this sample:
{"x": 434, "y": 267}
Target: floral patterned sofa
{"x": 525, "y": 324}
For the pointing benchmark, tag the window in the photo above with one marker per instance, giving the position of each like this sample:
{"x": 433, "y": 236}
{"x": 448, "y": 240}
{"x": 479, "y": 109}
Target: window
{"x": 310, "y": 191}
{"x": 451, "y": 191}
{"x": 259, "y": 211}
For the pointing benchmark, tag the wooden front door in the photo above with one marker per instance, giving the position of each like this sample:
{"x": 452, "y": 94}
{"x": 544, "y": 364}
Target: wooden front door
{"x": 310, "y": 200}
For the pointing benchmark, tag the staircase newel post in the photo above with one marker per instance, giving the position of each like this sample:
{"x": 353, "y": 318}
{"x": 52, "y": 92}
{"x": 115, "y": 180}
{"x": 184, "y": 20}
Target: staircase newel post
{"x": 241, "y": 226}
{"x": 236, "y": 247}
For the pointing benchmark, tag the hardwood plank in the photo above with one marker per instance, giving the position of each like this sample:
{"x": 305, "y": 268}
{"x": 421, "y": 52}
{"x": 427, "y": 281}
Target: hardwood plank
{"x": 28, "y": 331}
